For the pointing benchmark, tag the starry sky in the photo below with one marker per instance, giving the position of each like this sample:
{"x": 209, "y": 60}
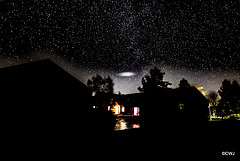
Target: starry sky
{"x": 195, "y": 39}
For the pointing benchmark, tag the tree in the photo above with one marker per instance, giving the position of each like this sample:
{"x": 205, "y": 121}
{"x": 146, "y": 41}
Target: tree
{"x": 230, "y": 97}
{"x": 155, "y": 80}
{"x": 235, "y": 100}
{"x": 212, "y": 96}
{"x": 101, "y": 85}
{"x": 184, "y": 83}
{"x": 109, "y": 85}
{"x": 225, "y": 90}
{"x": 225, "y": 93}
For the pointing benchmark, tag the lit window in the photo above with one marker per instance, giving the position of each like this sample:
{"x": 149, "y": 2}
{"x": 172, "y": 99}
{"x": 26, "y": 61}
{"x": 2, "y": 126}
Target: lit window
{"x": 117, "y": 110}
{"x": 181, "y": 106}
{"x": 123, "y": 109}
{"x": 136, "y": 111}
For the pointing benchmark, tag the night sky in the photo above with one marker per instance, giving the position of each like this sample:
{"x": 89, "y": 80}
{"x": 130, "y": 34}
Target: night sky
{"x": 197, "y": 40}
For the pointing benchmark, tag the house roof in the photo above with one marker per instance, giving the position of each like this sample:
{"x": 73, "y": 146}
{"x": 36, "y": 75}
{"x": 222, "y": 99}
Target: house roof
{"x": 43, "y": 73}
{"x": 133, "y": 99}
{"x": 40, "y": 81}
{"x": 188, "y": 94}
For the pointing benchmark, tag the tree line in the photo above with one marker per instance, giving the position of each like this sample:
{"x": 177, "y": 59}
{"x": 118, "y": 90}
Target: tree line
{"x": 226, "y": 106}
{"x": 100, "y": 84}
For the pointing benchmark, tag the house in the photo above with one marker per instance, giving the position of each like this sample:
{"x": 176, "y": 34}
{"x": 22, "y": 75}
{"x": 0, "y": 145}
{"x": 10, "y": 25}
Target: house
{"x": 193, "y": 105}
{"x": 132, "y": 103}
{"x": 41, "y": 98}
{"x": 163, "y": 104}
{"x": 180, "y": 106}
{"x": 128, "y": 104}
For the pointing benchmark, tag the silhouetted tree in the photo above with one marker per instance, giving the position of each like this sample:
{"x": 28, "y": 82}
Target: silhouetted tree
{"x": 155, "y": 80}
{"x": 235, "y": 103}
{"x": 212, "y": 96}
{"x": 101, "y": 85}
{"x": 109, "y": 85}
{"x": 184, "y": 83}
{"x": 230, "y": 98}
{"x": 225, "y": 93}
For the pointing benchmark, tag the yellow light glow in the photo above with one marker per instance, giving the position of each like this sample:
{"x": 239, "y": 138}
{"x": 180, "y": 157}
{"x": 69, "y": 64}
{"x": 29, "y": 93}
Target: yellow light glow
{"x": 123, "y": 109}
{"x": 123, "y": 125}
{"x": 116, "y": 108}
{"x": 200, "y": 89}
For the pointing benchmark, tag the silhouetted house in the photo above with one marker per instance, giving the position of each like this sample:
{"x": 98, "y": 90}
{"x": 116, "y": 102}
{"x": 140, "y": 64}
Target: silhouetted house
{"x": 119, "y": 104}
{"x": 132, "y": 103}
{"x": 175, "y": 106}
{"x": 40, "y": 97}
{"x": 164, "y": 106}
{"x": 192, "y": 104}
{"x": 101, "y": 100}
{"x": 180, "y": 104}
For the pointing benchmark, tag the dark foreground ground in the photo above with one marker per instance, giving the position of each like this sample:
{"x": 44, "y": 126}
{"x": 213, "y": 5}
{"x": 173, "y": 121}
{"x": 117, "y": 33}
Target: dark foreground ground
{"x": 206, "y": 141}
{"x": 162, "y": 141}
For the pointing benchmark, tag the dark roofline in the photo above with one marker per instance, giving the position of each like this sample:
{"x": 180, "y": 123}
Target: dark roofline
{"x": 28, "y": 63}
{"x": 128, "y": 94}
{"x": 41, "y": 63}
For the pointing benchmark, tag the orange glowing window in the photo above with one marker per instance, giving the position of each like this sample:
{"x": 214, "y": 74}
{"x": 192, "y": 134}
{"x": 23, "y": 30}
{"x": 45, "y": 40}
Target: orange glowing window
{"x": 117, "y": 108}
